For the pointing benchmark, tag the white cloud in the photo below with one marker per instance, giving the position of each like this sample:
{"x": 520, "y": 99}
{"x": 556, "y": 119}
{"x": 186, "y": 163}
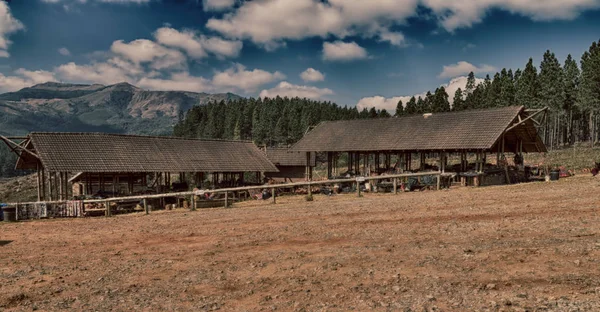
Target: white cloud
{"x": 394, "y": 38}
{"x": 125, "y": 1}
{"x": 343, "y": 51}
{"x": 217, "y": 5}
{"x": 198, "y": 46}
{"x": 312, "y": 75}
{"x": 461, "y": 14}
{"x": 266, "y": 22}
{"x": 104, "y": 73}
{"x": 269, "y": 23}
{"x": 389, "y": 104}
{"x": 463, "y": 68}
{"x": 240, "y": 78}
{"x": 285, "y": 88}
{"x": 24, "y": 78}
{"x": 105, "y": 1}
{"x": 147, "y": 51}
{"x": 179, "y": 81}
{"x": 221, "y": 47}
{"x": 185, "y": 40}
{"x": 64, "y": 51}
{"x": 8, "y": 25}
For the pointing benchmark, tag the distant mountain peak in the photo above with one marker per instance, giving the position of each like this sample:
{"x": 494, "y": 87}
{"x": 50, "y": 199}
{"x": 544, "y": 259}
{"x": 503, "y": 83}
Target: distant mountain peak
{"x": 121, "y": 107}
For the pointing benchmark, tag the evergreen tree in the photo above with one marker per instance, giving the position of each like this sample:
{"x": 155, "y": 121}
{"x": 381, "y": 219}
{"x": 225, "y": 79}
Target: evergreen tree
{"x": 527, "y": 86}
{"x": 440, "y": 101}
{"x": 551, "y": 82}
{"x": 411, "y": 106}
{"x": 372, "y": 112}
{"x": 571, "y": 85}
{"x": 471, "y": 83}
{"x": 588, "y": 97}
{"x": 384, "y": 114}
{"x": 458, "y": 103}
{"x": 507, "y": 88}
{"x": 421, "y": 106}
{"x": 427, "y": 102}
{"x": 399, "y": 109}
{"x": 492, "y": 93}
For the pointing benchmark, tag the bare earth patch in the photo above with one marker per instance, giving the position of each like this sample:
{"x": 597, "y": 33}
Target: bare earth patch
{"x": 522, "y": 247}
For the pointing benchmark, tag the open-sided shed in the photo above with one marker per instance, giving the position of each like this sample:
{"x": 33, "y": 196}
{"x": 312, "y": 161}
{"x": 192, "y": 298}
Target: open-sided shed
{"x": 481, "y": 131}
{"x": 104, "y": 159}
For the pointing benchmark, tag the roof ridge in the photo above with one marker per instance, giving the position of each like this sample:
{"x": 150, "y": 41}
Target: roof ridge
{"x": 140, "y": 136}
{"x": 421, "y": 114}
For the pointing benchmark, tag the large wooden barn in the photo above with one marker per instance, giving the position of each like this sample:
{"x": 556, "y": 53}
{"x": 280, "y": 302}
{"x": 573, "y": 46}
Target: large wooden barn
{"x": 370, "y": 144}
{"x": 116, "y": 164}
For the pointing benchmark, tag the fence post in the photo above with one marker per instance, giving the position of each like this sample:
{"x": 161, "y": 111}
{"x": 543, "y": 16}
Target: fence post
{"x": 273, "y": 195}
{"x": 309, "y": 190}
{"x": 395, "y": 186}
{"x": 439, "y": 177}
{"x": 146, "y": 206}
{"x": 226, "y": 198}
{"x": 358, "y": 188}
{"x": 107, "y": 212}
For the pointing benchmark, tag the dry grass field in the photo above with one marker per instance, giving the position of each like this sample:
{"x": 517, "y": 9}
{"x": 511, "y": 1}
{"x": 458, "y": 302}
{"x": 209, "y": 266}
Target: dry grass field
{"x": 528, "y": 247}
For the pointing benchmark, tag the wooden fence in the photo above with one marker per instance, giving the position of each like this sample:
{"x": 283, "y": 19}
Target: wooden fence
{"x": 65, "y": 208}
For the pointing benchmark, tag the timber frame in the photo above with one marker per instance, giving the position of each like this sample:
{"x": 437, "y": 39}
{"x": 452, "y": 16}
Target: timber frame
{"x": 110, "y": 165}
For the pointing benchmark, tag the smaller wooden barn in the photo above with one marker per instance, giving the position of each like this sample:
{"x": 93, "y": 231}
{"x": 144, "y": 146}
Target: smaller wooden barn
{"x": 370, "y": 144}
{"x": 291, "y": 164}
{"x": 117, "y": 164}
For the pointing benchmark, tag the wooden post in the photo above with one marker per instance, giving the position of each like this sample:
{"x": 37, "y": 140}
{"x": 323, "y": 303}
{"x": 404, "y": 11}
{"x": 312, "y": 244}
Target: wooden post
{"x": 43, "y": 183}
{"x": 357, "y": 188}
{"x": 273, "y": 195}
{"x": 107, "y": 212}
{"x": 439, "y": 178}
{"x": 50, "y": 186}
{"x": 146, "y": 206}
{"x": 226, "y": 199}
{"x": 39, "y": 191}
{"x": 329, "y": 164}
{"x": 193, "y": 202}
{"x": 395, "y": 186}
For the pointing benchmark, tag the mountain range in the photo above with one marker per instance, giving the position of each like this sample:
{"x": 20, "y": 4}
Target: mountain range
{"x": 118, "y": 108}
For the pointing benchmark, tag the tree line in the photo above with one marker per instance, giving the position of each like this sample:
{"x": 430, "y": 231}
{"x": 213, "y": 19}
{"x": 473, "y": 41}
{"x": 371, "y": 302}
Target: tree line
{"x": 571, "y": 92}
{"x": 266, "y": 121}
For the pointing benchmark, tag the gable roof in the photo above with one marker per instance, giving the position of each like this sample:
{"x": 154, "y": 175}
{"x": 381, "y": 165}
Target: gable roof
{"x": 287, "y": 157}
{"x": 103, "y": 152}
{"x": 479, "y": 129}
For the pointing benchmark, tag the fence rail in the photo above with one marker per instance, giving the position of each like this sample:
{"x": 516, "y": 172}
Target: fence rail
{"x": 273, "y": 187}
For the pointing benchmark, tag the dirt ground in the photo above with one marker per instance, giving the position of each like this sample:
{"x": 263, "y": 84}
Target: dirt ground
{"x": 529, "y": 247}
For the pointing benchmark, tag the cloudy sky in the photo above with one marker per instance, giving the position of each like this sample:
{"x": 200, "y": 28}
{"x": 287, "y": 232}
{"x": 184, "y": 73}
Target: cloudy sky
{"x": 351, "y": 52}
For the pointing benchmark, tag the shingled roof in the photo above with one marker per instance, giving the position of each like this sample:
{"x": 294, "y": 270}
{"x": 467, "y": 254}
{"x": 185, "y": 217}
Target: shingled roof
{"x": 103, "y": 152}
{"x": 287, "y": 157}
{"x": 452, "y": 131}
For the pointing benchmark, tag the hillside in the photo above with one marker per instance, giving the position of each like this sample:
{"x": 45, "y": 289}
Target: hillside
{"x": 122, "y": 108}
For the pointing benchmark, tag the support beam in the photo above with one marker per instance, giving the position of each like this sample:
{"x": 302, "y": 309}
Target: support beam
{"x": 273, "y": 195}
{"x": 39, "y": 182}
{"x": 520, "y": 122}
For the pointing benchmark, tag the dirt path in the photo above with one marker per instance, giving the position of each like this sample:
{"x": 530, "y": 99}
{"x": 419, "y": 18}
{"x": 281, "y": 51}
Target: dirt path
{"x": 523, "y": 247}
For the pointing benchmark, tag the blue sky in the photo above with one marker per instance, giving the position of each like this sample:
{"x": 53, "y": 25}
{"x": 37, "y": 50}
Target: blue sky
{"x": 370, "y": 53}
